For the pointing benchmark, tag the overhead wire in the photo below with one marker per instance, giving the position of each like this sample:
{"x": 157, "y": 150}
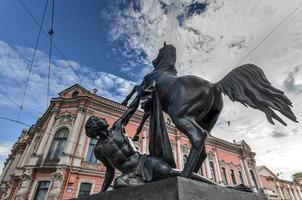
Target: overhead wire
{"x": 15, "y": 121}
{"x": 265, "y": 38}
{"x": 33, "y": 58}
{"x": 46, "y": 34}
{"x": 50, "y": 33}
{"x": 40, "y": 24}
{"x": 270, "y": 33}
{"x": 18, "y": 105}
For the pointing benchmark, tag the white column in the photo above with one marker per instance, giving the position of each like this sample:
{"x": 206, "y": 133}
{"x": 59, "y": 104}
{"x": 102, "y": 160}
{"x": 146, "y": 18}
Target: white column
{"x": 46, "y": 134}
{"x": 72, "y": 137}
{"x": 257, "y": 175}
{"x": 144, "y": 142}
{"x": 80, "y": 145}
{"x": 24, "y": 156}
{"x": 178, "y": 151}
{"x": 295, "y": 193}
{"x": 203, "y": 169}
{"x": 228, "y": 173}
{"x": 280, "y": 192}
{"x": 207, "y": 174}
{"x": 243, "y": 173}
{"x": 28, "y": 152}
{"x": 25, "y": 185}
{"x": 247, "y": 172}
{"x": 291, "y": 192}
{"x": 218, "y": 168}
{"x": 299, "y": 192}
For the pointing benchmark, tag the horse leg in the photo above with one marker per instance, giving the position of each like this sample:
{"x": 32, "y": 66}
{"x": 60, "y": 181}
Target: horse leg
{"x": 197, "y": 136}
{"x": 208, "y": 123}
{"x": 201, "y": 159}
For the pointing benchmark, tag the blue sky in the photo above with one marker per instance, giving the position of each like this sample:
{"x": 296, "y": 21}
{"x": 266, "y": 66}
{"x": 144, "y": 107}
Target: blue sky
{"x": 80, "y": 31}
{"x": 110, "y": 45}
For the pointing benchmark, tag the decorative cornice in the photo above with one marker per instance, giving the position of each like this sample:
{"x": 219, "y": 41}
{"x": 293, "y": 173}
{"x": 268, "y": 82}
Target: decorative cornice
{"x": 65, "y": 118}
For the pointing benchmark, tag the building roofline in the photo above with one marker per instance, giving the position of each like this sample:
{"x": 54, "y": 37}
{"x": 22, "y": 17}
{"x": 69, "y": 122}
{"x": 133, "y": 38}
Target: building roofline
{"x": 72, "y": 86}
{"x": 270, "y": 171}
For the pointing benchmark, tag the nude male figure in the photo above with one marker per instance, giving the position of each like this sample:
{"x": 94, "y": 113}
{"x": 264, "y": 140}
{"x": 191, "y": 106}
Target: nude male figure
{"x": 116, "y": 151}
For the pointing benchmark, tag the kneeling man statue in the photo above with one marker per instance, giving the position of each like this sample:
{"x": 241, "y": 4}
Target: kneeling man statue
{"x": 116, "y": 151}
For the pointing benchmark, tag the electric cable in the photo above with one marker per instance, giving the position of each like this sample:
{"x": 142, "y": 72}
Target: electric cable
{"x": 270, "y": 33}
{"x": 33, "y": 57}
{"x": 50, "y": 33}
{"x": 46, "y": 34}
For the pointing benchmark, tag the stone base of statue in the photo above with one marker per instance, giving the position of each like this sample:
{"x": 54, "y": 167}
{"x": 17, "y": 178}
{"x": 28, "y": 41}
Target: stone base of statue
{"x": 175, "y": 189}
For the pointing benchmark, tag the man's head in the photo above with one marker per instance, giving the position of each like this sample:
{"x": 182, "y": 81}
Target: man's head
{"x": 96, "y": 127}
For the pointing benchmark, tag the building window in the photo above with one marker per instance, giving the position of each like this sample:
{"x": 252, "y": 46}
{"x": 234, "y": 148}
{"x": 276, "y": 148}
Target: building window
{"x": 90, "y": 157}
{"x": 212, "y": 171}
{"x": 58, "y": 144}
{"x": 224, "y": 176}
{"x": 42, "y": 190}
{"x": 241, "y": 177}
{"x": 85, "y": 189}
{"x": 184, "y": 160}
{"x": 233, "y": 177}
{"x": 254, "y": 179}
{"x": 75, "y": 94}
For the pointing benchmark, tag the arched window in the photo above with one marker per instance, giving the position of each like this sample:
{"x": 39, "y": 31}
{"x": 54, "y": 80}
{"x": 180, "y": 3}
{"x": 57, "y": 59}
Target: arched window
{"x": 212, "y": 171}
{"x": 224, "y": 176}
{"x": 85, "y": 189}
{"x": 58, "y": 144}
{"x": 233, "y": 177}
{"x": 90, "y": 157}
{"x": 254, "y": 178}
{"x": 184, "y": 160}
{"x": 241, "y": 177}
{"x": 75, "y": 94}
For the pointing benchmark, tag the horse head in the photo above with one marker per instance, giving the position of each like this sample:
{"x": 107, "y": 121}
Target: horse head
{"x": 166, "y": 57}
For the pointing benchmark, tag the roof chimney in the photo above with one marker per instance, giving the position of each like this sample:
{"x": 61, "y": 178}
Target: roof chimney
{"x": 94, "y": 91}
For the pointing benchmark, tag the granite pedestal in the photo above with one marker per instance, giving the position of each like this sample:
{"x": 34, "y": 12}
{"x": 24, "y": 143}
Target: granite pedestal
{"x": 175, "y": 189}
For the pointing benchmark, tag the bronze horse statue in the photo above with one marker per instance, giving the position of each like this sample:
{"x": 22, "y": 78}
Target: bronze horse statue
{"x": 194, "y": 104}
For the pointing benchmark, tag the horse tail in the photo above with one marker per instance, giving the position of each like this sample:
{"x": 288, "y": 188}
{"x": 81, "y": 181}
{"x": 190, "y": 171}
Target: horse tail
{"x": 248, "y": 85}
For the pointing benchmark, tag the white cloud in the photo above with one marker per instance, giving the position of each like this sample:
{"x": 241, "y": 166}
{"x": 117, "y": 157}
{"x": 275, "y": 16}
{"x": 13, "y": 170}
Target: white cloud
{"x": 14, "y": 66}
{"x": 5, "y": 148}
{"x": 210, "y": 44}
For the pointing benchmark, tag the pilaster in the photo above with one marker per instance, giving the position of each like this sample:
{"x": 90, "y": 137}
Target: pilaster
{"x": 58, "y": 179}
{"x": 243, "y": 171}
{"x": 46, "y": 134}
{"x": 178, "y": 151}
{"x": 218, "y": 167}
{"x": 247, "y": 173}
{"x": 25, "y": 185}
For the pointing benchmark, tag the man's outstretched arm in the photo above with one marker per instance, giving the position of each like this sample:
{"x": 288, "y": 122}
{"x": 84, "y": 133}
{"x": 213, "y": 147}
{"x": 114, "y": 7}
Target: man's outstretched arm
{"x": 135, "y": 89}
{"x": 131, "y": 110}
{"x": 140, "y": 127}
